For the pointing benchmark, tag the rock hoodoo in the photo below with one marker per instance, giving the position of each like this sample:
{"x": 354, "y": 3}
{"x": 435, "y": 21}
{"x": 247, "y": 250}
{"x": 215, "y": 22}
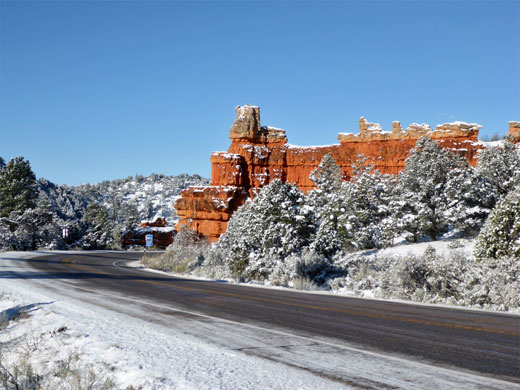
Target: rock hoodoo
{"x": 259, "y": 154}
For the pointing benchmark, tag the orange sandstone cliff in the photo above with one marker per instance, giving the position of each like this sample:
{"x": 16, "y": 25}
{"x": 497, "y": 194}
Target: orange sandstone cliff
{"x": 514, "y": 132}
{"x": 259, "y": 154}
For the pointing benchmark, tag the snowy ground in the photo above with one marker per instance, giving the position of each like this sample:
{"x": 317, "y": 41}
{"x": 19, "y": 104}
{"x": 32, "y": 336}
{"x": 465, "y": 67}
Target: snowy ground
{"x": 442, "y": 247}
{"x": 145, "y": 345}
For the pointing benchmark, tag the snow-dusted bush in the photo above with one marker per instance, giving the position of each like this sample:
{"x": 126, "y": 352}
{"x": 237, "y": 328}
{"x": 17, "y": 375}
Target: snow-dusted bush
{"x": 452, "y": 279}
{"x": 422, "y": 278}
{"x": 266, "y": 230}
{"x": 18, "y": 375}
{"x": 187, "y": 252}
{"x": 214, "y": 265}
{"x": 191, "y": 253}
{"x": 501, "y": 283}
{"x": 500, "y": 235}
{"x": 307, "y": 268}
{"x": 358, "y": 271}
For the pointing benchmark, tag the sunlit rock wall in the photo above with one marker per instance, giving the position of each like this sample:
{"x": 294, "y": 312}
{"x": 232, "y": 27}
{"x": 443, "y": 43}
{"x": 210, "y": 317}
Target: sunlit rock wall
{"x": 258, "y": 155}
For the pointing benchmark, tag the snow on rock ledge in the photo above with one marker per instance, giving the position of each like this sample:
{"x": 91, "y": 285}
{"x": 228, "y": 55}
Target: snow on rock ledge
{"x": 259, "y": 154}
{"x": 373, "y": 131}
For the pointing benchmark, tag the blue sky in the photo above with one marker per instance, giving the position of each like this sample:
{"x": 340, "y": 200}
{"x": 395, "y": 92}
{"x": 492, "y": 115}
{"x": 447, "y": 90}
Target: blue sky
{"x": 99, "y": 90}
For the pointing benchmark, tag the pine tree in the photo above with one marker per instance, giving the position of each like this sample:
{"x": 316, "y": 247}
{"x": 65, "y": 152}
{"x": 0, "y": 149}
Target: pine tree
{"x": 367, "y": 203}
{"x": 97, "y": 215}
{"x": 500, "y": 235}
{"x": 148, "y": 210}
{"x": 266, "y": 230}
{"x": 18, "y": 191}
{"x": 331, "y": 234}
{"x": 99, "y": 231}
{"x": 31, "y": 228}
{"x": 326, "y": 203}
{"x": 470, "y": 198}
{"x": 328, "y": 176}
{"x": 115, "y": 206}
{"x": 129, "y": 216}
{"x": 423, "y": 202}
{"x": 500, "y": 166}
{"x": 350, "y": 214}
{"x": 38, "y": 223}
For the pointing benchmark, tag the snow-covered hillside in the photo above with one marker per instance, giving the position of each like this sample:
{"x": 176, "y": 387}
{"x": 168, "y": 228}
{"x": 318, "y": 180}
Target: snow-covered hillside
{"x": 153, "y": 195}
{"x": 88, "y": 216}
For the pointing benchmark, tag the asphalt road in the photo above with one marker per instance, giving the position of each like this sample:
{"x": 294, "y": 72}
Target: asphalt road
{"x": 474, "y": 341}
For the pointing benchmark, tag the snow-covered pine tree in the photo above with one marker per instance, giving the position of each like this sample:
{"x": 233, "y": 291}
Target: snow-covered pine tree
{"x": 43, "y": 227}
{"x": 328, "y": 176}
{"x": 266, "y": 230}
{"x": 129, "y": 215}
{"x": 326, "y": 203}
{"x": 331, "y": 234}
{"x": 367, "y": 199}
{"x": 31, "y": 228}
{"x": 422, "y": 204}
{"x": 99, "y": 231}
{"x": 115, "y": 204}
{"x": 18, "y": 191}
{"x": 500, "y": 166}
{"x": 470, "y": 199}
{"x": 148, "y": 212}
{"x": 500, "y": 235}
{"x": 350, "y": 214}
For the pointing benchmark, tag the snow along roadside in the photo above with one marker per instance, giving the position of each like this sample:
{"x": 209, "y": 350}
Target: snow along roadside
{"x": 442, "y": 247}
{"x": 136, "y": 351}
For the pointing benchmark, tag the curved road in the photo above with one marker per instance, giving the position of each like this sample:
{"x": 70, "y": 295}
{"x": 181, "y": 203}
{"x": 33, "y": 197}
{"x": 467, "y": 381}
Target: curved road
{"x": 472, "y": 341}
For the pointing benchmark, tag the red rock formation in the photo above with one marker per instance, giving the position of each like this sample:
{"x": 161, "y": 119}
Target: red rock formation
{"x": 258, "y": 155}
{"x": 207, "y": 209}
{"x": 514, "y": 132}
{"x": 159, "y": 222}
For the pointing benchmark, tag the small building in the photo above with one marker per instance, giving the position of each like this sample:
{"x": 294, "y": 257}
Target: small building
{"x": 162, "y": 235}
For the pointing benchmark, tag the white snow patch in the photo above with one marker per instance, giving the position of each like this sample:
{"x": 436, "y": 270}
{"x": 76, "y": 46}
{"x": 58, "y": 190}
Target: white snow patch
{"x": 442, "y": 247}
{"x": 303, "y": 148}
{"x": 134, "y": 351}
{"x": 125, "y": 338}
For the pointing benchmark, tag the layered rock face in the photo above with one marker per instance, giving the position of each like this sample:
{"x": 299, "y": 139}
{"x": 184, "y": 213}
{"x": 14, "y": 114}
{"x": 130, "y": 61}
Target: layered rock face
{"x": 514, "y": 132}
{"x": 259, "y": 154}
{"x": 159, "y": 222}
